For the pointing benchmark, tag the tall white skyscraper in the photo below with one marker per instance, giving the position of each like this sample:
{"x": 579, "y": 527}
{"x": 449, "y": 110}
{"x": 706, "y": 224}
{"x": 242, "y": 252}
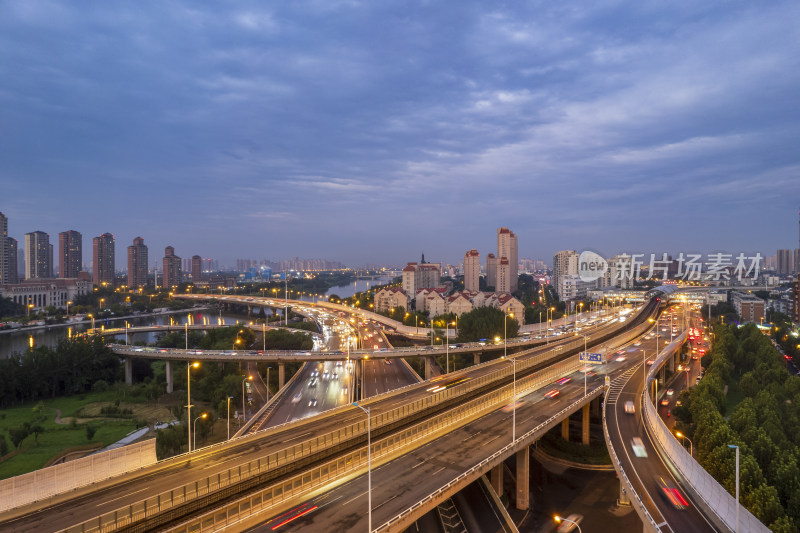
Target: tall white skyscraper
{"x": 5, "y": 256}
{"x": 472, "y": 271}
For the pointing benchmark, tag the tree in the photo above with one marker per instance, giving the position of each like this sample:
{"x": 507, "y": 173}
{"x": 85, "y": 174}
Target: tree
{"x": 36, "y": 429}
{"x": 18, "y": 435}
{"x": 90, "y": 431}
{"x": 485, "y": 323}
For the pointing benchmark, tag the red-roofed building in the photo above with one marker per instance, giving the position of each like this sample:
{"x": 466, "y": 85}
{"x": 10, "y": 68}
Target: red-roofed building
{"x": 421, "y": 276}
{"x": 472, "y": 271}
{"x": 390, "y": 298}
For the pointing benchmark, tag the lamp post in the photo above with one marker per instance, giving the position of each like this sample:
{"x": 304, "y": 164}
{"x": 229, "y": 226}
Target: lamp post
{"x": 194, "y": 432}
{"x": 736, "y": 529}
{"x": 268, "y": 369}
{"x": 513, "y": 401}
{"x": 186, "y": 336}
{"x": 505, "y": 332}
{"x": 369, "y": 467}
{"x": 92, "y": 317}
{"x": 229, "y": 416}
{"x": 585, "y": 339}
{"x": 560, "y": 519}
{"x": 682, "y": 436}
{"x": 71, "y": 302}
{"x": 244, "y": 411}
{"x": 126, "y": 333}
{"x": 189, "y": 397}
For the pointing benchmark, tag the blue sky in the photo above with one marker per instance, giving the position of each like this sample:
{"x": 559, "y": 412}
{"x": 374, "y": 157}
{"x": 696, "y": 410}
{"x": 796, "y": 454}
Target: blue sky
{"x": 373, "y": 131}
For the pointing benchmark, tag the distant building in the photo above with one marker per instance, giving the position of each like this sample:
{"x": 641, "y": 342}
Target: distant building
{"x": 460, "y": 302}
{"x": 620, "y": 272}
{"x": 38, "y": 256}
{"x": 472, "y": 271}
{"x": 565, "y": 263}
{"x": 5, "y": 257}
{"x": 137, "y": 264}
{"x": 750, "y": 308}
{"x": 103, "y": 259}
{"x": 491, "y": 270}
{"x": 574, "y": 288}
{"x": 421, "y": 276}
{"x": 390, "y": 298}
{"x": 507, "y": 247}
{"x": 504, "y": 275}
{"x": 785, "y": 262}
{"x": 197, "y": 267}
{"x": 42, "y": 293}
{"x": 171, "y": 272}
{"x": 70, "y": 254}
{"x": 13, "y": 273}
{"x": 430, "y": 300}
{"x": 796, "y": 300}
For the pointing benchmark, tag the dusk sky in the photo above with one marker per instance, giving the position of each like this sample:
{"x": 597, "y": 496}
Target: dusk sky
{"x": 369, "y": 132}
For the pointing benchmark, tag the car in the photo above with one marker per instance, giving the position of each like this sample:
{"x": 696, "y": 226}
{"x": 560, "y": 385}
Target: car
{"x": 670, "y": 392}
{"x": 552, "y": 393}
{"x": 387, "y": 361}
{"x": 630, "y": 408}
{"x": 344, "y": 391}
{"x": 650, "y": 362}
{"x": 570, "y": 524}
{"x": 638, "y": 447}
{"x": 620, "y": 358}
{"x": 670, "y": 492}
{"x": 313, "y": 382}
{"x": 694, "y": 357}
{"x": 296, "y": 397}
{"x": 637, "y": 343}
{"x": 138, "y": 349}
{"x": 564, "y": 380}
{"x": 665, "y": 402}
{"x": 312, "y": 402}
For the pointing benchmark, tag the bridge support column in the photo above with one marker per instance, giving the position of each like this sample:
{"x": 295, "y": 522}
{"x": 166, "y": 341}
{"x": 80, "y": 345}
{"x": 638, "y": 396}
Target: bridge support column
{"x": 565, "y": 429}
{"x": 496, "y": 477}
{"x": 476, "y": 359}
{"x": 523, "y": 479}
{"x": 428, "y": 368}
{"x": 128, "y": 371}
{"x": 281, "y": 375}
{"x": 672, "y": 362}
{"x": 170, "y": 383}
{"x": 585, "y": 426}
{"x": 596, "y": 406}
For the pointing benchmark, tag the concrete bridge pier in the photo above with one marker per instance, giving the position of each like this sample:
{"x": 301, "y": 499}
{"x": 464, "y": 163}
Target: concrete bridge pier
{"x": 496, "y": 478}
{"x": 623, "y": 495}
{"x": 565, "y": 429}
{"x": 476, "y": 358}
{"x": 170, "y": 382}
{"x": 281, "y": 375}
{"x": 428, "y": 367}
{"x": 128, "y": 371}
{"x": 523, "y": 479}
{"x": 596, "y": 406}
{"x": 585, "y": 425}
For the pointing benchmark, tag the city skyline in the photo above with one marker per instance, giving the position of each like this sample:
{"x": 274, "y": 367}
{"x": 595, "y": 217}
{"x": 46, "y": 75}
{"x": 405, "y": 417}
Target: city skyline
{"x": 372, "y": 133}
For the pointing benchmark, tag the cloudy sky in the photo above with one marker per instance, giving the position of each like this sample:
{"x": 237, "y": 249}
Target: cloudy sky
{"x": 373, "y": 131}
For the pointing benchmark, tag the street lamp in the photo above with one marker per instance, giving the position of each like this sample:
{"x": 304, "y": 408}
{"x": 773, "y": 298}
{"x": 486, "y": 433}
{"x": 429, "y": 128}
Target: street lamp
{"x": 68, "y": 308}
{"x": 30, "y": 306}
{"x": 92, "y": 317}
{"x": 560, "y": 519}
{"x": 736, "y": 529}
{"x": 513, "y": 401}
{"x": 189, "y": 366}
{"x": 505, "y": 332}
{"x": 229, "y": 416}
{"x": 585, "y": 339}
{"x": 204, "y": 415}
{"x": 244, "y": 411}
{"x": 682, "y": 436}
{"x": 369, "y": 467}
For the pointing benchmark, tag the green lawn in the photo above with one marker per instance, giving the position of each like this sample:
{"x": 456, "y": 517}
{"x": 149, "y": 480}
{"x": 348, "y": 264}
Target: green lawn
{"x": 56, "y": 437}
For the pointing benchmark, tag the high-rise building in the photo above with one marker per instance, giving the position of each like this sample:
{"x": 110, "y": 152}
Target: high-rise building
{"x": 472, "y": 271}
{"x": 785, "y": 262}
{"x": 491, "y": 270}
{"x": 503, "y": 275}
{"x": 103, "y": 252}
{"x": 565, "y": 263}
{"x": 5, "y": 257}
{"x": 507, "y": 247}
{"x": 38, "y": 256}
{"x": 796, "y": 299}
{"x": 13, "y": 275}
{"x": 171, "y": 272}
{"x": 797, "y": 261}
{"x": 421, "y": 276}
{"x": 197, "y": 267}
{"x": 137, "y": 264}
{"x": 70, "y": 254}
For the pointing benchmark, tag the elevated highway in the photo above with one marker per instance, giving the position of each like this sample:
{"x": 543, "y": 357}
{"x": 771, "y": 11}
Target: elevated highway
{"x": 332, "y": 445}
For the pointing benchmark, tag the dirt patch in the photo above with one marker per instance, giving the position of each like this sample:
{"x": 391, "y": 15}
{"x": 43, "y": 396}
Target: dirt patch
{"x": 140, "y": 411}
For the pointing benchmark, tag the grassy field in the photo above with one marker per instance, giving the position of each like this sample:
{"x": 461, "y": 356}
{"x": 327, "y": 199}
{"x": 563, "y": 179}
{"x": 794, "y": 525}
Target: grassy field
{"x": 59, "y": 437}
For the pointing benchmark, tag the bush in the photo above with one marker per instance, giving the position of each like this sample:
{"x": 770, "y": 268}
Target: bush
{"x": 100, "y": 385}
{"x": 90, "y": 431}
